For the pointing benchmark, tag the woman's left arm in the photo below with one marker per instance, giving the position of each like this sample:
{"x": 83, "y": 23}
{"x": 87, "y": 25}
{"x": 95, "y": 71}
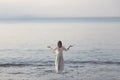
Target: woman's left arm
{"x": 51, "y": 48}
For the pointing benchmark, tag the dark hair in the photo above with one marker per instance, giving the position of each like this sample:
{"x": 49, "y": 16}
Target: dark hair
{"x": 59, "y": 44}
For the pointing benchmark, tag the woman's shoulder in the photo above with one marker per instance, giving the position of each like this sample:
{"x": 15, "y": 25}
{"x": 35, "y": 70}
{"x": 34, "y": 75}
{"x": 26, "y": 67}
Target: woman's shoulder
{"x": 57, "y": 48}
{"x": 63, "y": 47}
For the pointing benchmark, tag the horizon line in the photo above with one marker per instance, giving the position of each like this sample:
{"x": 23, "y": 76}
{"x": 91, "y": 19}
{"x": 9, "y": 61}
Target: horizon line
{"x": 58, "y": 17}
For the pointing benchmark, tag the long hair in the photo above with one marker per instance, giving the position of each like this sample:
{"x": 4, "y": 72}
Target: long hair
{"x": 59, "y": 44}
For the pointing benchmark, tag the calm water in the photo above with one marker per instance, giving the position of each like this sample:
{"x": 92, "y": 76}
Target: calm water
{"x": 24, "y": 54}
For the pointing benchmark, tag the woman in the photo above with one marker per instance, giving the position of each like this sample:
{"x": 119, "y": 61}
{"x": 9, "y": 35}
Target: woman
{"x": 59, "y": 61}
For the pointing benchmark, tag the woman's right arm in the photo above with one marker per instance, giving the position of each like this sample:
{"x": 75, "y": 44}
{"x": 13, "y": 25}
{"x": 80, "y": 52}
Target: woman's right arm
{"x": 67, "y": 48}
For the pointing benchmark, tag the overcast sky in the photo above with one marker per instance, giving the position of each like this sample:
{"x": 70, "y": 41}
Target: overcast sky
{"x": 59, "y": 8}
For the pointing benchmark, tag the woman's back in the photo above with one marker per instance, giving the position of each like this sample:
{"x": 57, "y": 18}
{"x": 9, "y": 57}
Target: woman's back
{"x": 59, "y": 61}
{"x": 60, "y": 50}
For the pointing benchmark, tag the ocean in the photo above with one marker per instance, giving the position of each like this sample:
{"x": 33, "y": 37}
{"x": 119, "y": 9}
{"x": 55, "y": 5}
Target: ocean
{"x": 95, "y": 54}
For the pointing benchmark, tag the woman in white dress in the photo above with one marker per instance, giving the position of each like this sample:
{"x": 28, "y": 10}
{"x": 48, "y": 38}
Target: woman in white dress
{"x": 59, "y": 61}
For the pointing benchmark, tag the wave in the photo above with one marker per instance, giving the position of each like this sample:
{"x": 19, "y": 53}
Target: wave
{"x": 22, "y": 49}
{"x": 51, "y": 63}
{"x": 95, "y": 62}
{"x": 12, "y": 64}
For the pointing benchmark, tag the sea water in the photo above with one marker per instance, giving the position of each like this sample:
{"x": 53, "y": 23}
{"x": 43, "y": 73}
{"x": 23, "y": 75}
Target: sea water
{"x": 95, "y": 54}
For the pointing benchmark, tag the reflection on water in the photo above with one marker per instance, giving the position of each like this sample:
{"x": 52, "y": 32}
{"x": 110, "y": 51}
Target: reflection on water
{"x": 23, "y": 52}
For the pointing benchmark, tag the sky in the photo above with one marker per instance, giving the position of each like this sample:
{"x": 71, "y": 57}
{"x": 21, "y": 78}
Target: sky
{"x": 59, "y": 8}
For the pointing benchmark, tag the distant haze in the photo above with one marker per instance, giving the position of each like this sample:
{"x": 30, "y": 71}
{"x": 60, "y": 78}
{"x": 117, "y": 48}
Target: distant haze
{"x": 59, "y": 8}
{"x": 42, "y": 34}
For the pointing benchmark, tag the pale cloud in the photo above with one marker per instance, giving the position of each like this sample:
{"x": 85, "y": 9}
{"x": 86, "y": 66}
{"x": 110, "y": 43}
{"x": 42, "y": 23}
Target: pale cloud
{"x": 59, "y": 8}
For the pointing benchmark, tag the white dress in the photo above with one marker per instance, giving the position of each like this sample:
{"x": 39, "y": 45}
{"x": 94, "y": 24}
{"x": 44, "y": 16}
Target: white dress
{"x": 59, "y": 61}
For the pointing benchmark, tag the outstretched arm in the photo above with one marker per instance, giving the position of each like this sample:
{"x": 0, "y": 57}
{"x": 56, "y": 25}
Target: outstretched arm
{"x": 67, "y": 48}
{"x": 51, "y": 48}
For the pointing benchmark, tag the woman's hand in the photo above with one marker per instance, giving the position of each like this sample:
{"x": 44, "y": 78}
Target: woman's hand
{"x": 48, "y": 46}
{"x": 71, "y": 46}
